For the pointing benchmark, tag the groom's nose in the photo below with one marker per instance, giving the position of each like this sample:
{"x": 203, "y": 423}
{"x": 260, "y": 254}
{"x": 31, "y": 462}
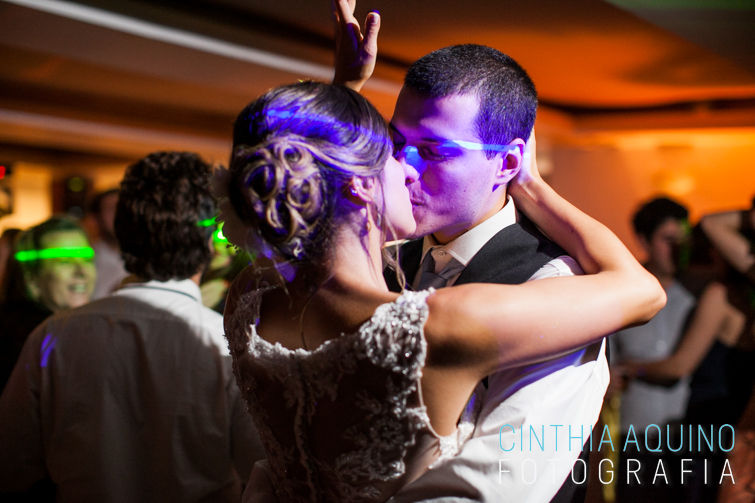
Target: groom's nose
{"x": 411, "y": 173}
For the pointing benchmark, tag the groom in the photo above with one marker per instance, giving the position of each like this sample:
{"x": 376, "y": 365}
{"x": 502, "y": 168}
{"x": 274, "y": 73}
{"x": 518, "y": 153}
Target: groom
{"x": 461, "y": 120}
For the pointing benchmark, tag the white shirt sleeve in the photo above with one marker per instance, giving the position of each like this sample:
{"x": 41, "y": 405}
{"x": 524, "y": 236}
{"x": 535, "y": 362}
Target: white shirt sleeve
{"x": 563, "y": 265}
{"x": 532, "y": 425}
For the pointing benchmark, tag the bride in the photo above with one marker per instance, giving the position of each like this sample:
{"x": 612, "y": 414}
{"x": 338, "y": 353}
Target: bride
{"x": 355, "y": 390}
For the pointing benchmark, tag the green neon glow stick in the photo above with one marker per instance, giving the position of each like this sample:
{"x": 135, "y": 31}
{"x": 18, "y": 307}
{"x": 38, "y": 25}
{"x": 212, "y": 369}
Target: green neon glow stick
{"x": 217, "y": 236}
{"x": 85, "y": 252}
{"x": 207, "y": 222}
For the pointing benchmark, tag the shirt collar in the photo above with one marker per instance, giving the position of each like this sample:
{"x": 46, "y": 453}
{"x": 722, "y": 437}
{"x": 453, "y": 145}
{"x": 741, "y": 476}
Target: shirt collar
{"x": 466, "y": 246}
{"x": 182, "y": 286}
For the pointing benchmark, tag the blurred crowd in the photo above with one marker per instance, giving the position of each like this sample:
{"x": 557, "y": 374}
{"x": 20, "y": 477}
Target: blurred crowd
{"x": 65, "y": 262}
{"x": 690, "y": 365}
{"x": 690, "y": 368}
{"x": 112, "y": 324}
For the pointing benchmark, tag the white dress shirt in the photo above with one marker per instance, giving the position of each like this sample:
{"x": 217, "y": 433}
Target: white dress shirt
{"x": 129, "y": 398}
{"x": 495, "y": 465}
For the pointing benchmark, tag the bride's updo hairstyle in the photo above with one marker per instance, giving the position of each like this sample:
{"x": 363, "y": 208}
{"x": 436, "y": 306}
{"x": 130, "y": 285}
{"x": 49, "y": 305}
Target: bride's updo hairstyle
{"x": 295, "y": 150}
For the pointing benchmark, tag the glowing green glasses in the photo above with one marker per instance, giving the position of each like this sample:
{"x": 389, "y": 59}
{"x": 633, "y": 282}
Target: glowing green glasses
{"x": 85, "y": 252}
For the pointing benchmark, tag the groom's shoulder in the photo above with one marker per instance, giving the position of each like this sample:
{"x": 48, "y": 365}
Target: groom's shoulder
{"x": 512, "y": 256}
{"x": 524, "y": 237}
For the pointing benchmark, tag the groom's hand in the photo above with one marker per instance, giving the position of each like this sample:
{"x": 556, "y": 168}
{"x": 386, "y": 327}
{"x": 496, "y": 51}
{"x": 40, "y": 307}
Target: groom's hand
{"x": 356, "y": 52}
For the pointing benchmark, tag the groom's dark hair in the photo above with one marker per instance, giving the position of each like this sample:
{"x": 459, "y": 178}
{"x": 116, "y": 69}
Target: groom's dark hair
{"x": 507, "y": 95}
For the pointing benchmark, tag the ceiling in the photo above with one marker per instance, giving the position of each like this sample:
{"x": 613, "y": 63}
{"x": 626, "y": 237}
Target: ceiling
{"x": 115, "y": 79}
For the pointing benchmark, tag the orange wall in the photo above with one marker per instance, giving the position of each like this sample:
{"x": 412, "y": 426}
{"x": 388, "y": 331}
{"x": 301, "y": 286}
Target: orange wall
{"x": 32, "y": 185}
{"x": 609, "y": 176}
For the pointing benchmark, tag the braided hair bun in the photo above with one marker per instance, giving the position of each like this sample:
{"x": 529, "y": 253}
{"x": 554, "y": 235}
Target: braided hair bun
{"x": 284, "y": 192}
{"x": 295, "y": 149}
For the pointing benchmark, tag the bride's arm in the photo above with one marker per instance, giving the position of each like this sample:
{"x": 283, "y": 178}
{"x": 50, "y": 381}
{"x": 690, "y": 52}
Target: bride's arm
{"x": 485, "y": 326}
{"x": 355, "y": 51}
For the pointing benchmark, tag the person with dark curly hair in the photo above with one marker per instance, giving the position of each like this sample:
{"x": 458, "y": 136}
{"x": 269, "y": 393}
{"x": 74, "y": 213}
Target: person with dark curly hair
{"x": 356, "y": 390}
{"x": 132, "y": 397}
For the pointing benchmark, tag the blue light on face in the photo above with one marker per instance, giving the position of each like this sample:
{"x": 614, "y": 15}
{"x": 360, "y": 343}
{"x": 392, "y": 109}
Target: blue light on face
{"x": 438, "y": 149}
{"x": 490, "y": 147}
{"x": 442, "y": 150}
{"x": 412, "y": 157}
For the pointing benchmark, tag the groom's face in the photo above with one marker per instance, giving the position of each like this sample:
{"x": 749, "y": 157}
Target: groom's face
{"x": 454, "y": 183}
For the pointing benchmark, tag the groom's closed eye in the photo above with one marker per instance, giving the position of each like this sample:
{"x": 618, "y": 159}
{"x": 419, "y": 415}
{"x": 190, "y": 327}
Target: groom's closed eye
{"x": 432, "y": 151}
{"x": 399, "y": 141}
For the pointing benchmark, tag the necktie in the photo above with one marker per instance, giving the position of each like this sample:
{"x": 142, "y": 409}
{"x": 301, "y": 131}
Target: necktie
{"x": 430, "y": 278}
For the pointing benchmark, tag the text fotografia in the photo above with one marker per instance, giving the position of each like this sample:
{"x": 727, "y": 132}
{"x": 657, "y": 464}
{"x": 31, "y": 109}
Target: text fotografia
{"x": 530, "y": 470}
{"x": 683, "y": 446}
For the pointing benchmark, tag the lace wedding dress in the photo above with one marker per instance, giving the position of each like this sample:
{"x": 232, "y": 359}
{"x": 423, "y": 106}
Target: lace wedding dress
{"x": 345, "y": 421}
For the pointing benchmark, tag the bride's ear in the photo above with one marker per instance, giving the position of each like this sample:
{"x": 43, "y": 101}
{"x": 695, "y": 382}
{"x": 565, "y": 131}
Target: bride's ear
{"x": 360, "y": 190}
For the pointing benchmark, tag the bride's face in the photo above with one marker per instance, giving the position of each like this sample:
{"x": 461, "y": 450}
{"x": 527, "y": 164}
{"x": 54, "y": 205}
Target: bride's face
{"x": 397, "y": 206}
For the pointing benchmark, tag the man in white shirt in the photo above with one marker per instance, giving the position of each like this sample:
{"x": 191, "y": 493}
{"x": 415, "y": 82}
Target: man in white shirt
{"x": 132, "y": 397}
{"x": 461, "y": 121}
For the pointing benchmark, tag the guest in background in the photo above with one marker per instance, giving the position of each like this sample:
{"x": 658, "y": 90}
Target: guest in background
{"x": 107, "y": 258}
{"x": 57, "y": 263}
{"x": 226, "y": 263}
{"x": 733, "y": 234}
{"x": 52, "y": 270}
{"x": 7, "y": 240}
{"x": 132, "y": 397}
{"x": 660, "y": 226}
{"x": 715, "y": 352}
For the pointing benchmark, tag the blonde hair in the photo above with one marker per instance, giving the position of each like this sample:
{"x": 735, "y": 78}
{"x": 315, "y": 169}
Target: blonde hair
{"x": 295, "y": 150}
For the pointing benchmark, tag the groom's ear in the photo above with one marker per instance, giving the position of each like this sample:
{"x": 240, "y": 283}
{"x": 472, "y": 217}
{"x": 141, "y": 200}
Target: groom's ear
{"x": 510, "y": 162}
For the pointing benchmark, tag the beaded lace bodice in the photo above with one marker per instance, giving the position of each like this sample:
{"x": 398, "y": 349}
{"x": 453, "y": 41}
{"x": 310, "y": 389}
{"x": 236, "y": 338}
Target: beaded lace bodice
{"x": 345, "y": 421}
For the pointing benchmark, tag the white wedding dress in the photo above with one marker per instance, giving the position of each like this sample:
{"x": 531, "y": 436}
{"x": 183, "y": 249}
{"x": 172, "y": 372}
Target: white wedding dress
{"x": 345, "y": 421}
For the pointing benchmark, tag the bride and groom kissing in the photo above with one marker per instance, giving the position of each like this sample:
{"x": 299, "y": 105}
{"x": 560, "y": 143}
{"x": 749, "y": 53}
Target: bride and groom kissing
{"x": 409, "y": 401}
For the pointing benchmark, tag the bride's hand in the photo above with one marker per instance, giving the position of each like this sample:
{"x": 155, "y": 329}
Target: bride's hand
{"x": 356, "y": 52}
{"x": 528, "y": 172}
